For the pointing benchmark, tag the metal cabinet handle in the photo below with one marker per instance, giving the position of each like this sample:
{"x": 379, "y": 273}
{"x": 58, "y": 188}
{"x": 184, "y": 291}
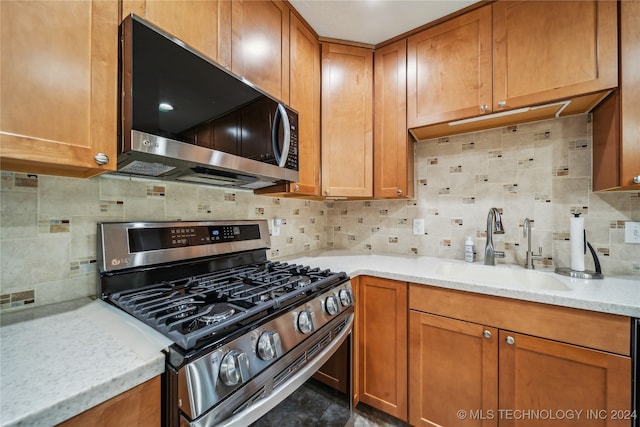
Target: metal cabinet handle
{"x": 487, "y": 334}
{"x": 484, "y": 107}
{"x": 636, "y": 179}
{"x": 399, "y": 192}
{"x": 510, "y": 340}
{"x": 502, "y": 104}
{"x": 101, "y": 159}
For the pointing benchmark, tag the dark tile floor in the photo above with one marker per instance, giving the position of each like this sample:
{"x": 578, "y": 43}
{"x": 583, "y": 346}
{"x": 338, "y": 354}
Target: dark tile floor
{"x": 316, "y": 405}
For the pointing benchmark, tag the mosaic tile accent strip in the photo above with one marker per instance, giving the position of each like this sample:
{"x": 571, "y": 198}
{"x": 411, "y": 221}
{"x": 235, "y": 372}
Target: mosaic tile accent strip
{"x": 17, "y": 299}
{"x": 50, "y": 226}
{"x": 156, "y": 191}
{"x": 83, "y": 266}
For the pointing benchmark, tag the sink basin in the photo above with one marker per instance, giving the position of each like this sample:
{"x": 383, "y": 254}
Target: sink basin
{"x": 503, "y": 276}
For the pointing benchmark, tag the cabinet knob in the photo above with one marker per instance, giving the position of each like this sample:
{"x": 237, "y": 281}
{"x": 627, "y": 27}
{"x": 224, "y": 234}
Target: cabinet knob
{"x": 296, "y": 187}
{"x": 502, "y": 104}
{"x": 510, "y": 340}
{"x": 487, "y": 334}
{"x": 101, "y": 159}
{"x": 484, "y": 107}
{"x": 636, "y": 179}
{"x": 399, "y": 192}
{"x": 327, "y": 192}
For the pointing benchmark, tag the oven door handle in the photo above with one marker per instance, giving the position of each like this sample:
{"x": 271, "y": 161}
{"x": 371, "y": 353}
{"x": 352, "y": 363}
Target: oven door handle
{"x": 262, "y": 406}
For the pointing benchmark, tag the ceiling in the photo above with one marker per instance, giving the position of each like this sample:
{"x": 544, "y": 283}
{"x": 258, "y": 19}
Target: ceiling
{"x": 372, "y": 21}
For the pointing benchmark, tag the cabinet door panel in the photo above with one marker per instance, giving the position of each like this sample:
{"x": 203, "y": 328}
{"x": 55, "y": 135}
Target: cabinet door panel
{"x": 382, "y": 306}
{"x": 260, "y": 44}
{"x": 449, "y": 70}
{"x": 453, "y": 367}
{"x": 549, "y": 50}
{"x": 543, "y": 375}
{"x": 193, "y": 22}
{"x": 305, "y": 99}
{"x": 347, "y": 115}
{"x": 393, "y": 153}
{"x": 59, "y": 86}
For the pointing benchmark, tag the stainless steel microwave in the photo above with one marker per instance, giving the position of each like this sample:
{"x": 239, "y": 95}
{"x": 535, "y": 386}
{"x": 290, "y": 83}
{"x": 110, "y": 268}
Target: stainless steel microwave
{"x": 184, "y": 117}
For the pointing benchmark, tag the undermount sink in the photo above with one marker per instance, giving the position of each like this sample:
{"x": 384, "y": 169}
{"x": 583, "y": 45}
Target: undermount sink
{"x": 503, "y": 276}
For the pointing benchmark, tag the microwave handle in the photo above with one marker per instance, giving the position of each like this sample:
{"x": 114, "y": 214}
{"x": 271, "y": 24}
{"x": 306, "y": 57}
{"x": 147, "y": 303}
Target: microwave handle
{"x": 281, "y": 157}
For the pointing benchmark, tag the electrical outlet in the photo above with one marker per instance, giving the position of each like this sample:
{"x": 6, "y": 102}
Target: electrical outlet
{"x": 632, "y": 232}
{"x": 275, "y": 226}
{"x": 418, "y": 227}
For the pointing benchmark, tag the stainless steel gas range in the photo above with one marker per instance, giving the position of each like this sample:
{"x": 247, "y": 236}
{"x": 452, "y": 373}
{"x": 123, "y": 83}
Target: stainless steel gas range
{"x": 247, "y": 332}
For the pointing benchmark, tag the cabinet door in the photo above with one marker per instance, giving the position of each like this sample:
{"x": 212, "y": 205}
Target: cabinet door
{"x": 449, "y": 70}
{"x": 453, "y": 367}
{"x": 347, "y": 115}
{"x": 260, "y": 44}
{"x": 616, "y": 120}
{"x": 542, "y": 375}
{"x": 198, "y": 23}
{"x": 393, "y": 152}
{"x": 304, "y": 94}
{"x": 550, "y": 50}
{"x": 382, "y": 311}
{"x": 59, "y": 86}
{"x": 138, "y": 407}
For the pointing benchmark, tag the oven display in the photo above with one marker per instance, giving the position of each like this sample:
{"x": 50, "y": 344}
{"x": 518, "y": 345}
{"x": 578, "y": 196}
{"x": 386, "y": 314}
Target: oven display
{"x": 151, "y": 239}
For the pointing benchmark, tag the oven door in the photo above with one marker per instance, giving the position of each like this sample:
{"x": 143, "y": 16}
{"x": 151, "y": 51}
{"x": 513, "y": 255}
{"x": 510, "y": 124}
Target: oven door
{"x": 270, "y": 387}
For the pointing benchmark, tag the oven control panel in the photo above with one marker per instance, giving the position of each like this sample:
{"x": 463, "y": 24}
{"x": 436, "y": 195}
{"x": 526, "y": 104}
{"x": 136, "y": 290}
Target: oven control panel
{"x": 152, "y": 239}
{"x": 124, "y": 245}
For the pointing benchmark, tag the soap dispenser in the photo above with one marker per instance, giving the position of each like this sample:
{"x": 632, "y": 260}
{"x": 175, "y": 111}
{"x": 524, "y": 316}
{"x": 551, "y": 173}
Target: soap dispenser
{"x": 468, "y": 249}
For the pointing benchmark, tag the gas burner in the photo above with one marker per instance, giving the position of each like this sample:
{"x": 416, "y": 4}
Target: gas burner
{"x": 300, "y": 280}
{"x": 217, "y": 314}
{"x": 182, "y": 309}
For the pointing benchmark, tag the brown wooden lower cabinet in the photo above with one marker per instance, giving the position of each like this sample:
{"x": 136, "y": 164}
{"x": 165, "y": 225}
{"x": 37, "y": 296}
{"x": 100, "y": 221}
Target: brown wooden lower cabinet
{"x": 381, "y": 306}
{"x": 463, "y": 373}
{"x": 551, "y": 382}
{"x": 453, "y": 367}
{"x": 138, "y": 407}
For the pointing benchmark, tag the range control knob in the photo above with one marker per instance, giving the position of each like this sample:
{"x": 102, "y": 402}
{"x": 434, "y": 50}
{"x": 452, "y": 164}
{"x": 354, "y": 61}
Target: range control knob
{"x": 234, "y": 368}
{"x": 305, "y": 322}
{"x": 345, "y": 297}
{"x": 331, "y": 305}
{"x": 269, "y": 345}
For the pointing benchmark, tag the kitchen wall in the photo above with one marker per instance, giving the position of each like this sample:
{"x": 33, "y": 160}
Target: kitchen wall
{"x": 48, "y": 227}
{"x": 539, "y": 170}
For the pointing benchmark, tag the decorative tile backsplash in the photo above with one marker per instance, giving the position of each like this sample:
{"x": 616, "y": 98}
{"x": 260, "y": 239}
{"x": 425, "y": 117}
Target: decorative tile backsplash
{"x": 539, "y": 170}
{"x": 48, "y": 226}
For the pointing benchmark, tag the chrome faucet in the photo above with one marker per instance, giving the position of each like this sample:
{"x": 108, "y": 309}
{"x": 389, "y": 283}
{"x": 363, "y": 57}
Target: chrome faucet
{"x": 494, "y": 225}
{"x": 526, "y": 231}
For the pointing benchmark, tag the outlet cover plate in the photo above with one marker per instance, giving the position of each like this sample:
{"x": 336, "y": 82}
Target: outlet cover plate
{"x": 418, "y": 227}
{"x": 632, "y": 232}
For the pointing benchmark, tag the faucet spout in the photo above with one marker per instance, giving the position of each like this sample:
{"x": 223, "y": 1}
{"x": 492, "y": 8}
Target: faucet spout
{"x": 494, "y": 225}
{"x": 530, "y": 256}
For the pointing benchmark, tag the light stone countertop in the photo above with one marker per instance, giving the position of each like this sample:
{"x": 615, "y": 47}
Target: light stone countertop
{"x": 58, "y": 361}
{"x": 615, "y": 295}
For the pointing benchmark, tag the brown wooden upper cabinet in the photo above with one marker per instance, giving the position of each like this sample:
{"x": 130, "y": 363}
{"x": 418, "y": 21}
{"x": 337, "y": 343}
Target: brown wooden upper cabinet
{"x": 449, "y": 70}
{"x": 304, "y": 97}
{"x": 511, "y": 54}
{"x": 59, "y": 87}
{"x": 551, "y": 50}
{"x": 347, "y": 115}
{"x": 392, "y": 149}
{"x": 260, "y": 44}
{"x": 204, "y": 25}
{"x": 616, "y": 121}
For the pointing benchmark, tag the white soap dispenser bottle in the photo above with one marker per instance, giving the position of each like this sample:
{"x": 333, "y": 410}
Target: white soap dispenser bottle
{"x": 468, "y": 249}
